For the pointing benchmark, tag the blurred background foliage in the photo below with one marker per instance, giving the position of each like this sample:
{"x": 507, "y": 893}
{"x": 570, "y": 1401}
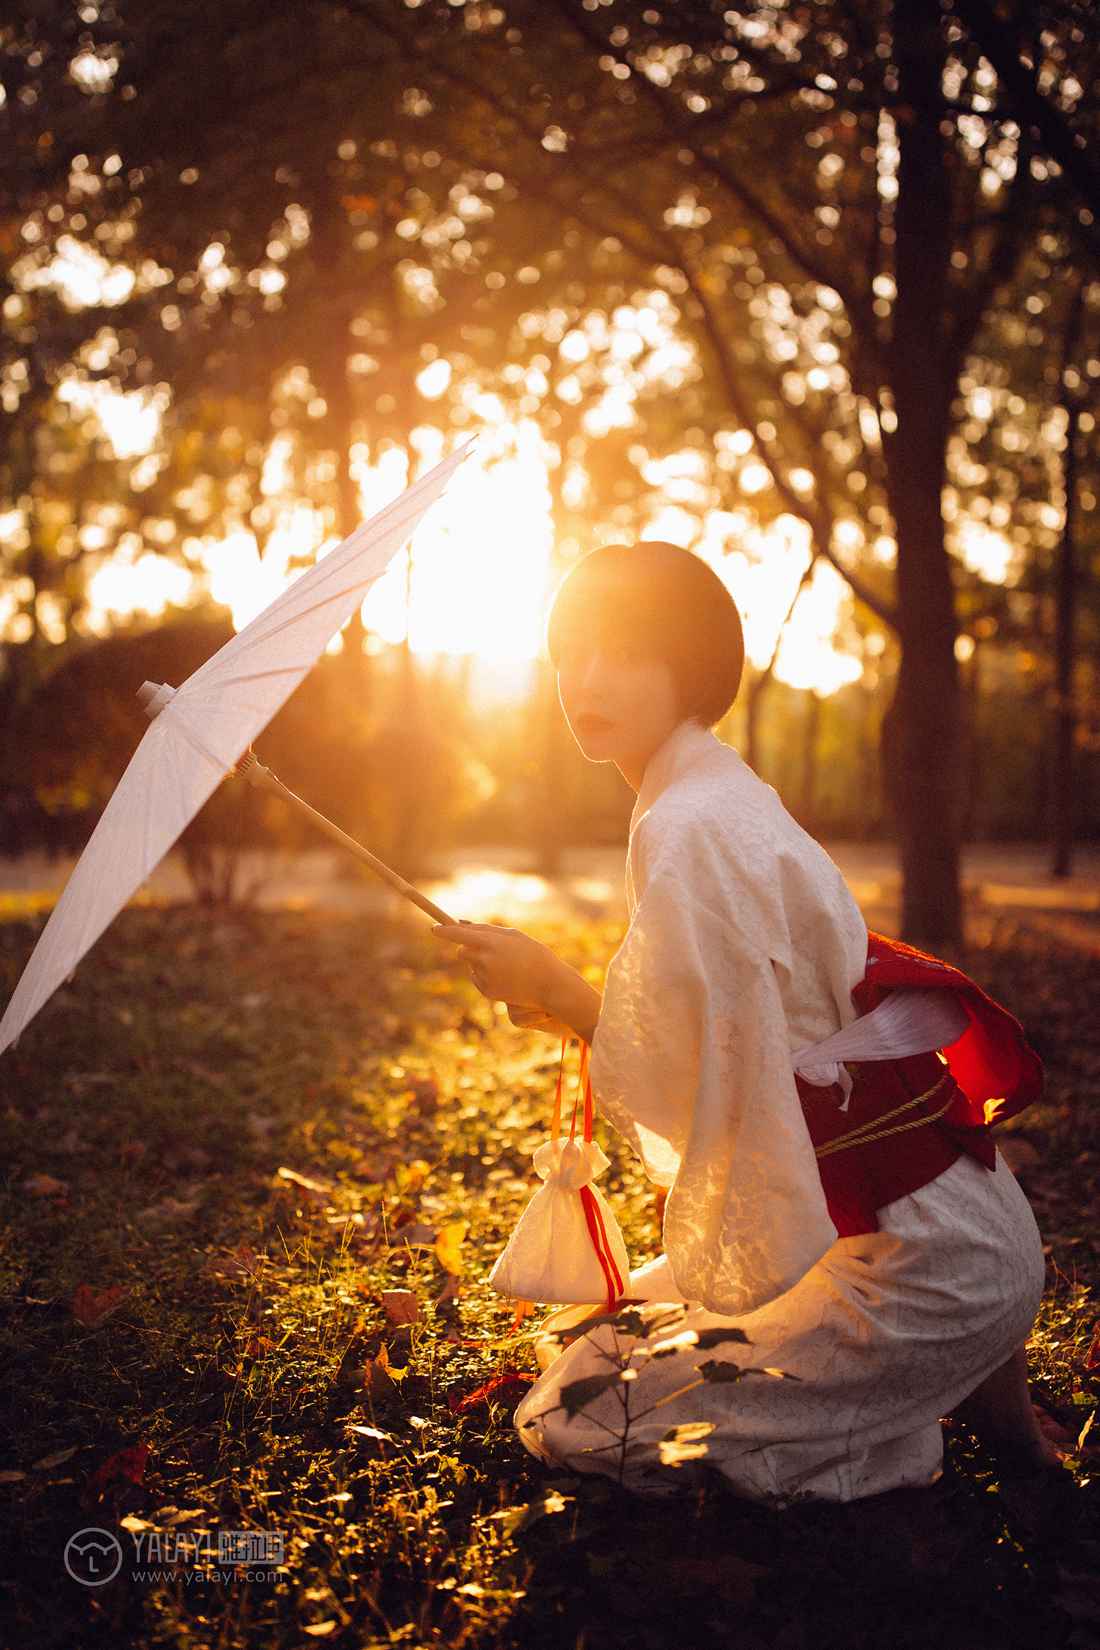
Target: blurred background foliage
{"x": 811, "y": 289}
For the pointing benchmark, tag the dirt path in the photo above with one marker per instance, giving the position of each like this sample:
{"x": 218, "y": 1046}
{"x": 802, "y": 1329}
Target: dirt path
{"x": 1001, "y": 882}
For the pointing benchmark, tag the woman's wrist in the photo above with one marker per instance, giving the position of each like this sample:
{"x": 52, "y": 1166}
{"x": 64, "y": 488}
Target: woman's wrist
{"x": 570, "y": 998}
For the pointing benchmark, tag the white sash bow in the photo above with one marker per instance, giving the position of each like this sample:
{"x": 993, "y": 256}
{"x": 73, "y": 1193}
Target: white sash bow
{"x": 909, "y": 1021}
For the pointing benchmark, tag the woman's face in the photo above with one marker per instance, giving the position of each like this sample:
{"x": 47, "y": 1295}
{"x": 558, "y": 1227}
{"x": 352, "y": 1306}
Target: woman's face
{"x": 620, "y": 704}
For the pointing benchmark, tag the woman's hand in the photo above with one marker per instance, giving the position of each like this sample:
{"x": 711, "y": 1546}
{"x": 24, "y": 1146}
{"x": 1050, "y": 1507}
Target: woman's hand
{"x": 504, "y": 963}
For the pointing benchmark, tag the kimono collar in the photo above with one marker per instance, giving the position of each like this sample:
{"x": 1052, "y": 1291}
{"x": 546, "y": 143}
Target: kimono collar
{"x": 688, "y": 745}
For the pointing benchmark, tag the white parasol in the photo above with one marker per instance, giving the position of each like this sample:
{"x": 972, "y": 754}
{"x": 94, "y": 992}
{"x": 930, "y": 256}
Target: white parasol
{"x": 199, "y": 732}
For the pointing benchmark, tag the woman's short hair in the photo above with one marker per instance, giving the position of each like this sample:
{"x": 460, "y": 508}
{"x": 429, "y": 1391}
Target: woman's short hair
{"x": 665, "y": 603}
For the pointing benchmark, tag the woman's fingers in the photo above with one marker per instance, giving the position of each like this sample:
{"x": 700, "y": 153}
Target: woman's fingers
{"x": 537, "y": 1019}
{"x": 505, "y": 963}
{"x": 462, "y": 933}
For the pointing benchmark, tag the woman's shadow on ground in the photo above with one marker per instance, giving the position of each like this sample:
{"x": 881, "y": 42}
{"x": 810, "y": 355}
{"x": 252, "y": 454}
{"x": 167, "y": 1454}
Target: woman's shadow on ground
{"x": 968, "y": 1564}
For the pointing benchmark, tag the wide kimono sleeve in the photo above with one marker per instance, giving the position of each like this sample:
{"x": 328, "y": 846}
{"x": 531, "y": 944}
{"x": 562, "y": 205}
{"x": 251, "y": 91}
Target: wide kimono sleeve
{"x": 691, "y": 1062}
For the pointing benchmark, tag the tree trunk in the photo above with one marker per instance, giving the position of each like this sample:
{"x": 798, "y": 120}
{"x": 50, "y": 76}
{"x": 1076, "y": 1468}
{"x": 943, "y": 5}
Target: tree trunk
{"x": 330, "y": 233}
{"x": 924, "y": 762}
{"x": 754, "y": 704}
{"x": 811, "y": 729}
{"x": 1065, "y": 721}
{"x": 971, "y": 821}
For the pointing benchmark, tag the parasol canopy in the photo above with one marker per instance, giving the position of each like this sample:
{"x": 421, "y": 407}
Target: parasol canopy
{"x": 201, "y": 729}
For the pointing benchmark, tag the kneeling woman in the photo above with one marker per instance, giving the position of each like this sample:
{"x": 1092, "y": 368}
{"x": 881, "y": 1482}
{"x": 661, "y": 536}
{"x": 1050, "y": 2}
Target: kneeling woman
{"x": 857, "y": 1224}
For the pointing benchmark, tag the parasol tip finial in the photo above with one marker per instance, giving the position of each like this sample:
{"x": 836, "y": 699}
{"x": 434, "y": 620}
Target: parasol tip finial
{"x": 154, "y": 696}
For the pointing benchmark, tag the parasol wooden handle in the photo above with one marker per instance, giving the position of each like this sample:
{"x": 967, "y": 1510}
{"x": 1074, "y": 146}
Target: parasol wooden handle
{"x": 251, "y": 768}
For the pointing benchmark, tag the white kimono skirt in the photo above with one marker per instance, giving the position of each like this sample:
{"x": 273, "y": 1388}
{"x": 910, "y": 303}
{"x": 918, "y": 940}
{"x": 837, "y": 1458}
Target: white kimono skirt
{"x": 744, "y": 944}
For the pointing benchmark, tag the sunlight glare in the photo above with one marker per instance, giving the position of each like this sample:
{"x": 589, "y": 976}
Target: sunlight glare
{"x": 142, "y": 585}
{"x": 986, "y": 551}
{"x": 480, "y": 562}
{"x": 130, "y": 421}
{"x": 761, "y": 575}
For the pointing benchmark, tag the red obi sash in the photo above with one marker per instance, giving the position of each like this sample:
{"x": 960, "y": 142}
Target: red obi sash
{"x": 909, "y": 1118}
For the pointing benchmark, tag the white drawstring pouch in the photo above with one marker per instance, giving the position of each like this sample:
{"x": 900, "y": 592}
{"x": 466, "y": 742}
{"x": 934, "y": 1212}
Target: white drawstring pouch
{"x": 567, "y": 1245}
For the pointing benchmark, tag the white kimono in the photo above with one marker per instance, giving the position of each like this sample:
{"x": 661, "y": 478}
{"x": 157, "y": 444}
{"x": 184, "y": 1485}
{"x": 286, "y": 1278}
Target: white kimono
{"x": 743, "y": 946}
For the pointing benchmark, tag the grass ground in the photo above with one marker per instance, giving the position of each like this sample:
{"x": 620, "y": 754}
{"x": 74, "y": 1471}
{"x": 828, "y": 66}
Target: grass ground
{"x": 232, "y": 1137}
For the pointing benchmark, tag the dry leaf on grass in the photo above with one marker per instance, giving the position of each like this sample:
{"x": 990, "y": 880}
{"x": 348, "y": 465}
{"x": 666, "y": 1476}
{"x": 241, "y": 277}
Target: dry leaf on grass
{"x": 241, "y": 1263}
{"x": 312, "y": 1188}
{"x": 55, "y": 1459}
{"x": 416, "y": 1234}
{"x": 45, "y": 1185}
{"x": 167, "y": 1210}
{"x": 125, "y": 1466}
{"x": 400, "y": 1306}
{"x": 507, "y": 1387}
{"x": 448, "y": 1246}
{"x": 91, "y": 1306}
{"x": 409, "y": 1177}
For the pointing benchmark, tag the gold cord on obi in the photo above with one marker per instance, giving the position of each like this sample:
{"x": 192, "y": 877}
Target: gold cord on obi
{"x": 865, "y": 1132}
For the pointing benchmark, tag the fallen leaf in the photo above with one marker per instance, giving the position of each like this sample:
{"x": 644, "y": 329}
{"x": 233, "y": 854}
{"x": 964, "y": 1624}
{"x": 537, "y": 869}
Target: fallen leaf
{"x": 374, "y": 1376}
{"x": 125, "y": 1466}
{"x": 9, "y": 1477}
{"x": 241, "y": 1263}
{"x": 320, "y": 1629}
{"x": 91, "y": 1306}
{"x": 416, "y": 1234}
{"x": 1092, "y": 1356}
{"x": 448, "y": 1246}
{"x": 508, "y": 1387}
{"x": 168, "y": 1209}
{"x": 409, "y": 1177}
{"x": 400, "y": 1305}
{"x": 44, "y": 1185}
{"x": 315, "y": 1188}
{"x": 55, "y": 1459}
{"x": 256, "y": 1345}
